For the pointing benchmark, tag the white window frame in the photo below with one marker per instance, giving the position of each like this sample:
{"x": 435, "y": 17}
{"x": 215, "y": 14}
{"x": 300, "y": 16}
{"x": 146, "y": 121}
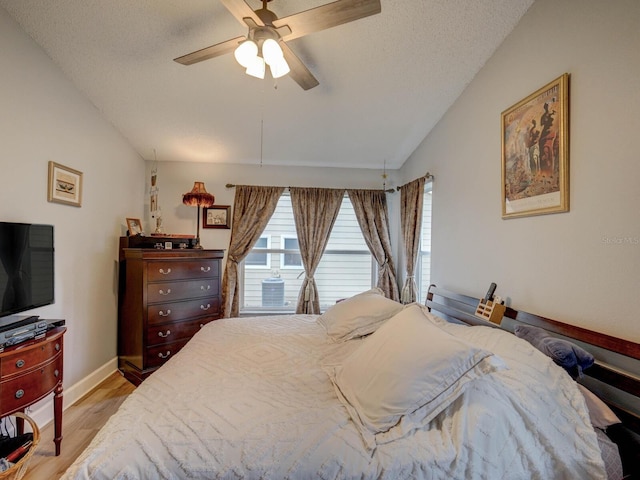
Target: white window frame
{"x": 288, "y": 251}
{"x": 424, "y": 250}
{"x": 261, "y": 250}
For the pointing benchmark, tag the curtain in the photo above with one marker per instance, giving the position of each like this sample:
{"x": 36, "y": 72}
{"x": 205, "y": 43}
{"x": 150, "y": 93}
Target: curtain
{"x": 314, "y": 211}
{"x": 411, "y": 200}
{"x": 370, "y": 207}
{"x": 252, "y": 209}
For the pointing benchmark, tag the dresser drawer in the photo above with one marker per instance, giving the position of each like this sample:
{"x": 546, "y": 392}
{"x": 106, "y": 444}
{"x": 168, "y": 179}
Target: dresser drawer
{"x": 168, "y": 333}
{"x": 172, "y": 291}
{"x": 26, "y": 389}
{"x": 173, "y": 312}
{"x": 159, "y": 354}
{"x": 22, "y": 361}
{"x": 162, "y": 270}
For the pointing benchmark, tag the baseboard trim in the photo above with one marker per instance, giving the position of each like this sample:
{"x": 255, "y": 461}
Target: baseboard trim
{"x": 42, "y": 412}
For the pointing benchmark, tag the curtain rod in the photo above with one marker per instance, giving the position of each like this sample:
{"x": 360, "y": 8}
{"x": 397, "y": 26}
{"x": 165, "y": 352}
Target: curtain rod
{"x": 389, "y": 190}
{"x": 426, "y": 176}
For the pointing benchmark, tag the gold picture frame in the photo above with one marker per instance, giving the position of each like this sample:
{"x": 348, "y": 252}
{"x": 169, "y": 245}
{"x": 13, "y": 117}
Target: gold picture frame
{"x": 217, "y": 216}
{"x": 134, "y": 226}
{"x": 65, "y": 185}
{"x": 535, "y": 152}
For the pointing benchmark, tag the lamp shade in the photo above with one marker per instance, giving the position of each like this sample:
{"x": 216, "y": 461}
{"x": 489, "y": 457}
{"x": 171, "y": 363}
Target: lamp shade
{"x": 279, "y": 68}
{"x": 271, "y": 51}
{"x": 256, "y": 69}
{"x": 246, "y": 52}
{"x": 198, "y": 196}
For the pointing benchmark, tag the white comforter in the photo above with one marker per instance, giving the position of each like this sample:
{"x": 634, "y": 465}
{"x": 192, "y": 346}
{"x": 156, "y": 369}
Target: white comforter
{"x": 248, "y": 398}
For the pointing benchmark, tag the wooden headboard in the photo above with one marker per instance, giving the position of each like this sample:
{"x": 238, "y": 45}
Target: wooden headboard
{"x": 615, "y": 376}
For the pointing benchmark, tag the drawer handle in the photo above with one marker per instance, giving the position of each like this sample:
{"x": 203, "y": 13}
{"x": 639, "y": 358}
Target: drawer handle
{"x": 205, "y": 269}
{"x": 20, "y": 363}
{"x": 166, "y": 355}
{"x": 57, "y": 347}
{"x": 163, "y": 272}
{"x": 164, "y": 335}
{"x": 202, "y": 307}
{"x": 19, "y": 393}
{"x": 162, "y": 292}
{"x": 163, "y": 314}
{"x": 206, "y": 289}
{"x": 56, "y": 372}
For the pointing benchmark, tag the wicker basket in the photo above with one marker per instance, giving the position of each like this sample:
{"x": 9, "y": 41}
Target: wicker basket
{"x": 17, "y": 471}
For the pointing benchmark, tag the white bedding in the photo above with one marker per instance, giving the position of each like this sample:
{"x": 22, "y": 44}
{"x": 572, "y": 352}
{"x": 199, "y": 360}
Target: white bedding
{"x": 248, "y": 398}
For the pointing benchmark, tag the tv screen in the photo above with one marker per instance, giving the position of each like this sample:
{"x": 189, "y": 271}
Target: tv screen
{"x": 26, "y": 267}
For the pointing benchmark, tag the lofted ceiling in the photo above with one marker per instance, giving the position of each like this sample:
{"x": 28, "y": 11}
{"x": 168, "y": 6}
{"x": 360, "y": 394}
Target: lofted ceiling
{"x": 385, "y": 80}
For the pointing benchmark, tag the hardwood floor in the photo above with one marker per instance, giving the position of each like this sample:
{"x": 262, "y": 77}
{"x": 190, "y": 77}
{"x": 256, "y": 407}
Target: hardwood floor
{"x": 81, "y": 421}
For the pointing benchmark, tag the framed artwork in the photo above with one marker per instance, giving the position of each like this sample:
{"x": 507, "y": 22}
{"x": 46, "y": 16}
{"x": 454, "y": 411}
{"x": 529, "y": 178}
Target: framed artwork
{"x": 535, "y": 152}
{"x": 218, "y": 216}
{"x": 134, "y": 225}
{"x": 65, "y": 185}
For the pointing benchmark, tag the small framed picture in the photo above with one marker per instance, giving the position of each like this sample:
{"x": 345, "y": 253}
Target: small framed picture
{"x": 134, "y": 226}
{"x": 218, "y": 216}
{"x": 65, "y": 185}
{"x": 168, "y": 245}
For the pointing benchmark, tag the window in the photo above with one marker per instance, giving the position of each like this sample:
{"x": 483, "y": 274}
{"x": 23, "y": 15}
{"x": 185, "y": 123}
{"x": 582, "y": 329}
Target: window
{"x": 346, "y": 268}
{"x": 257, "y": 258}
{"x": 291, "y": 259}
{"x": 423, "y": 271}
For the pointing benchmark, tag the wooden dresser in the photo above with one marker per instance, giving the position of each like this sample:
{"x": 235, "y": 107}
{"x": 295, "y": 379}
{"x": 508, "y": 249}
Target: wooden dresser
{"x": 30, "y": 371}
{"x": 165, "y": 297}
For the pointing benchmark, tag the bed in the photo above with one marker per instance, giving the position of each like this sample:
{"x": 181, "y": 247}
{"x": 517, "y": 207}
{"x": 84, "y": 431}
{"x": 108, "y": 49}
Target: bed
{"x": 301, "y": 396}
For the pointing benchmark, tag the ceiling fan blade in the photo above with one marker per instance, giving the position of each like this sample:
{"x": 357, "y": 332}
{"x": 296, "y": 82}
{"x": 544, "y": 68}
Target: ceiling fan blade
{"x": 299, "y": 71}
{"x": 327, "y": 16}
{"x": 241, "y": 10}
{"x": 210, "y": 52}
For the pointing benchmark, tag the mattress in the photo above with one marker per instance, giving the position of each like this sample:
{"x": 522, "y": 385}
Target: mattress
{"x": 249, "y": 398}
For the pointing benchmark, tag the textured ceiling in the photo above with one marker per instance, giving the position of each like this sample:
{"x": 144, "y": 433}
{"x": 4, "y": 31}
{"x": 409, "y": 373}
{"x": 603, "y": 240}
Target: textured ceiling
{"x": 385, "y": 80}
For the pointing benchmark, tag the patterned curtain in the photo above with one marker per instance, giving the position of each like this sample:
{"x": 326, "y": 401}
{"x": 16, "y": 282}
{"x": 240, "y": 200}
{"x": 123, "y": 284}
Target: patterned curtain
{"x": 411, "y": 199}
{"x": 315, "y": 211}
{"x": 252, "y": 209}
{"x": 371, "y": 211}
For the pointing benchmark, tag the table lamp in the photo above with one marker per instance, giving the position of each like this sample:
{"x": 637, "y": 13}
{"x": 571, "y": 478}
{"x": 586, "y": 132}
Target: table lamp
{"x": 198, "y": 197}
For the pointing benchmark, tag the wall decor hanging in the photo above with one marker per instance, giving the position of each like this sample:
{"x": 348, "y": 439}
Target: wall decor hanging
{"x": 65, "y": 185}
{"x": 535, "y": 152}
{"x": 217, "y": 216}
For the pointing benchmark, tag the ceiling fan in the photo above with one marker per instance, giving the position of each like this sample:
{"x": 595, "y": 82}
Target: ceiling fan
{"x": 268, "y": 33}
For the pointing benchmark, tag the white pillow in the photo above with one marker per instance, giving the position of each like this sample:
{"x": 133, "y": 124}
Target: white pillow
{"x": 408, "y": 364}
{"x": 600, "y": 414}
{"x": 359, "y": 315}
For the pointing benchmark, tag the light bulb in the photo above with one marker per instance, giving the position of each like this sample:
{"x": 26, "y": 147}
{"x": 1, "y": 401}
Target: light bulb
{"x": 246, "y": 52}
{"x": 271, "y": 51}
{"x": 256, "y": 68}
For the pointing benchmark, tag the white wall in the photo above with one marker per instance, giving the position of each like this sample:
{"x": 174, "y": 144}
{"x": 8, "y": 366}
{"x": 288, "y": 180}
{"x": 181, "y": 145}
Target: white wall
{"x": 583, "y": 266}
{"x": 42, "y": 118}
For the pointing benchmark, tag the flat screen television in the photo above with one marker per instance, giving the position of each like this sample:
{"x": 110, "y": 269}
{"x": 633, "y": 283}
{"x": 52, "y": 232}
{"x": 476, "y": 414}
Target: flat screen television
{"x": 26, "y": 267}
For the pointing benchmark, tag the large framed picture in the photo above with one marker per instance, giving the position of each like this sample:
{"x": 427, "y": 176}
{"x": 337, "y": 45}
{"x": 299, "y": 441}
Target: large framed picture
{"x": 218, "y": 216}
{"x": 535, "y": 152}
{"x": 65, "y": 185}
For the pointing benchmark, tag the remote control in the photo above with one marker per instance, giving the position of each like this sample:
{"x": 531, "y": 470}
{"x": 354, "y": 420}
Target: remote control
{"x": 489, "y": 296}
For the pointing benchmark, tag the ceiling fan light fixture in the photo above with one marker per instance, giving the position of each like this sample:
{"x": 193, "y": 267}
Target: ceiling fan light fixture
{"x": 256, "y": 68}
{"x": 271, "y": 51}
{"x": 280, "y": 68}
{"x": 246, "y": 53}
